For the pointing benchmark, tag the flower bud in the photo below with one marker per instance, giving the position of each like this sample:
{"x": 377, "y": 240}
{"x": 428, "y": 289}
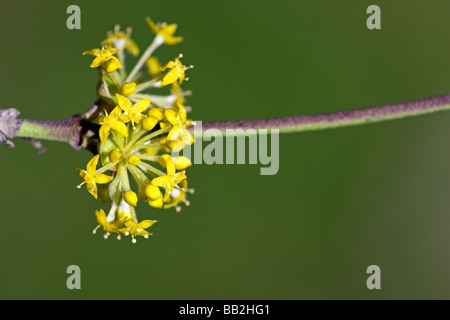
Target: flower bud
{"x": 131, "y": 198}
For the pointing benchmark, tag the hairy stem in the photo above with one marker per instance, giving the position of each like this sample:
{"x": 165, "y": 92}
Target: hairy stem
{"x": 68, "y": 130}
{"x": 340, "y": 118}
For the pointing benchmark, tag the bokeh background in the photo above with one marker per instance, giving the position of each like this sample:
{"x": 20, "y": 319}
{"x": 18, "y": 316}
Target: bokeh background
{"x": 342, "y": 200}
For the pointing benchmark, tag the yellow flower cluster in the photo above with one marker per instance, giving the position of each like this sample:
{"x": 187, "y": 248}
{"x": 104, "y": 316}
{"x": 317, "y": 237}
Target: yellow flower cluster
{"x": 138, "y": 132}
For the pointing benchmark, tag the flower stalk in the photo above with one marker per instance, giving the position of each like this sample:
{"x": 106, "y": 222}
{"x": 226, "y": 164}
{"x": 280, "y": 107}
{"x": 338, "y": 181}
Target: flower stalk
{"x": 69, "y": 130}
{"x": 340, "y": 118}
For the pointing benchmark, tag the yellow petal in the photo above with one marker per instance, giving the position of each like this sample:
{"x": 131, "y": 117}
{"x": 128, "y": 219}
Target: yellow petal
{"x": 103, "y": 133}
{"x": 151, "y": 24}
{"x": 171, "y": 116}
{"x": 163, "y": 125}
{"x": 164, "y": 159}
{"x": 170, "y": 167}
{"x": 182, "y": 113}
{"x": 116, "y": 113}
{"x": 180, "y": 176}
{"x": 130, "y": 223}
{"x": 94, "y": 52}
{"x": 153, "y": 66}
{"x": 158, "y": 203}
{"x": 92, "y": 188}
{"x": 176, "y": 146}
{"x": 117, "y": 224}
{"x": 92, "y": 164}
{"x": 102, "y": 178}
{"x": 158, "y": 113}
{"x": 149, "y": 123}
{"x": 132, "y": 47}
{"x": 81, "y": 173}
{"x": 97, "y": 62}
{"x": 162, "y": 181}
{"x": 171, "y": 64}
{"x": 182, "y": 162}
{"x": 123, "y": 102}
{"x": 170, "y": 77}
{"x": 124, "y": 118}
{"x": 169, "y": 30}
{"x": 173, "y": 40}
{"x": 146, "y": 224}
{"x": 112, "y": 65}
{"x": 138, "y": 119}
{"x": 120, "y": 127}
{"x": 153, "y": 192}
{"x": 186, "y": 137}
{"x": 169, "y": 190}
{"x": 141, "y": 105}
{"x": 110, "y": 51}
{"x": 100, "y": 216}
{"x": 174, "y": 134}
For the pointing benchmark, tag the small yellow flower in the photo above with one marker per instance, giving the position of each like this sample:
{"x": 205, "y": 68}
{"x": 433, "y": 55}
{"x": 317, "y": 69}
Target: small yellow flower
{"x": 177, "y": 71}
{"x": 102, "y": 221}
{"x": 155, "y": 197}
{"x": 131, "y": 198}
{"x": 170, "y": 180}
{"x": 158, "y": 113}
{"x": 149, "y": 123}
{"x": 112, "y": 65}
{"x": 164, "y": 30}
{"x": 128, "y": 88}
{"x": 177, "y": 146}
{"x": 112, "y": 121}
{"x": 91, "y": 178}
{"x": 180, "y": 162}
{"x": 105, "y": 56}
{"x": 178, "y": 197}
{"x": 132, "y": 112}
{"x": 158, "y": 203}
{"x": 121, "y": 40}
{"x": 114, "y": 155}
{"x": 138, "y": 229}
{"x": 134, "y": 160}
{"x": 177, "y": 117}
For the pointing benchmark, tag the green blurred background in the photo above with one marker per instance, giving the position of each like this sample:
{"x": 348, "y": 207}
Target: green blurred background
{"x": 342, "y": 200}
